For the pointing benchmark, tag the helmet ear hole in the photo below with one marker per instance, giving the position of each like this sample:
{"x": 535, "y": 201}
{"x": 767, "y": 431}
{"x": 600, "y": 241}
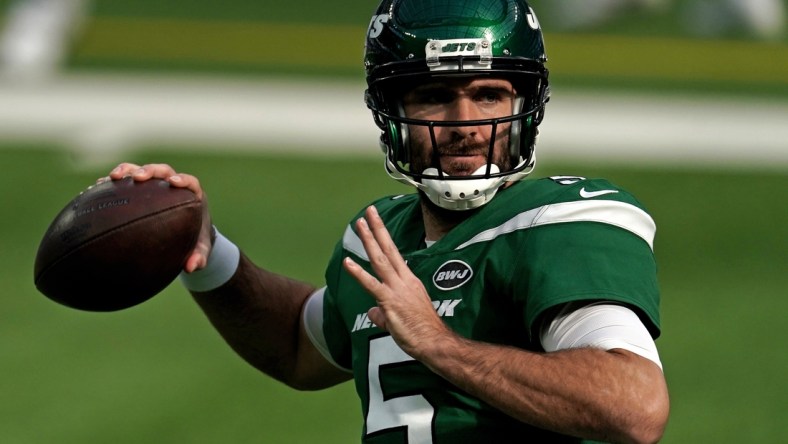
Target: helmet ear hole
{"x": 528, "y": 141}
{"x": 516, "y": 129}
{"x": 522, "y": 136}
{"x": 384, "y": 142}
{"x": 404, "y": 147}
{"x": 396, "y": 136}
{"x": 368, "y": 100}
{"x": 371, "y": 103}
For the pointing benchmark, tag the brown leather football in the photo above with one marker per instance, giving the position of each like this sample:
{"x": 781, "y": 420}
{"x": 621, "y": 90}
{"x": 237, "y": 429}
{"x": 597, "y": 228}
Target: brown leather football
{"x": 117, "y": 244}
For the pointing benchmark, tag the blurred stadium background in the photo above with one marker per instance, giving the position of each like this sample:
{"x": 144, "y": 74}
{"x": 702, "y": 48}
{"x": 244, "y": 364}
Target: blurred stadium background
{"x": 683, "y": 102}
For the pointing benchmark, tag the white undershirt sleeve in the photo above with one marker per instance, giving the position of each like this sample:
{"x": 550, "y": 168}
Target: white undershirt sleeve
{"x": 601, "y": 325}
{"x": 313, "y": 324}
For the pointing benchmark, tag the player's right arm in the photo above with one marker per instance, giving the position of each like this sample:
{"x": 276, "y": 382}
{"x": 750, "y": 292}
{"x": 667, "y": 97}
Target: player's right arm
{"x": 258, "y": 313}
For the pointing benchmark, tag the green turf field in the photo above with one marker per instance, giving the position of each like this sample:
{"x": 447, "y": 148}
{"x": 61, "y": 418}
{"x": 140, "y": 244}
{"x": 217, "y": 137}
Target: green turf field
{"x": 159, "y": 373}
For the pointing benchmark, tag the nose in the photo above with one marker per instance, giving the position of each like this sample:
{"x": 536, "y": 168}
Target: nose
{"x": 461, "y": 109}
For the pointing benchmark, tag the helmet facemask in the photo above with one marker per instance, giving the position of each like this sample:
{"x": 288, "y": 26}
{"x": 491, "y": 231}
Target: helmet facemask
{"x": 508, "y": 147}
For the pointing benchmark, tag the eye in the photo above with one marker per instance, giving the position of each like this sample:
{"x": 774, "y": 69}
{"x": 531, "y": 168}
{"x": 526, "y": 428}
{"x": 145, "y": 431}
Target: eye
{"x": 490, "y": 97}
{"x": 434, "y": 97}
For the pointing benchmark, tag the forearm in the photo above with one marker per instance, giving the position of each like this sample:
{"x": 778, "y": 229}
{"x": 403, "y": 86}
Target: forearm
{"x": 592, "y": 393}
{"x": 258, "y": 313}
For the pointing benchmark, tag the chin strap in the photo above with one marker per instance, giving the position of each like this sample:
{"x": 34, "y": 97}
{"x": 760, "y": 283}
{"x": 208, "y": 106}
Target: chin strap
{"x": 458, "y": 195}
{"x": 465, "y": 194}
{"x": 461, "y": 194}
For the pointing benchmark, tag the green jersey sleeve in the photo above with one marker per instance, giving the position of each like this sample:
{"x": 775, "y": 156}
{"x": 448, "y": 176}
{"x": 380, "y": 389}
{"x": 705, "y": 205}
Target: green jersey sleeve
{"x": 337, "y": 338}
{"x": 596, "y": 248}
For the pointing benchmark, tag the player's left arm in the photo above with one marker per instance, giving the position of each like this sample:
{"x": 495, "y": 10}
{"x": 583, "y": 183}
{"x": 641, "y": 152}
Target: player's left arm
{"x": 607, "y": 395}
{"x": 610, "y": 395}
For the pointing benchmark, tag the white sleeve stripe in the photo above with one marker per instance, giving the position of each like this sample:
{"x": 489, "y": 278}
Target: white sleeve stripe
{"x": 313, "y": 324}
{"x": 619, "y": 214}
{"x": 600, "y": 325}
{"x": 352, "y": 243}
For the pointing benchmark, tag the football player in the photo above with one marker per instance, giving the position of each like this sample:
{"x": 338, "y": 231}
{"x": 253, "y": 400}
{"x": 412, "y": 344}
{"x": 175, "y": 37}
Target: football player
{"x": 483, "y": 307}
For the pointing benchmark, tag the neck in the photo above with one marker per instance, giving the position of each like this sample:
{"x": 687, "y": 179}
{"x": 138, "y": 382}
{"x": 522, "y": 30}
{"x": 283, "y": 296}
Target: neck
{"x": 439, "y": 221}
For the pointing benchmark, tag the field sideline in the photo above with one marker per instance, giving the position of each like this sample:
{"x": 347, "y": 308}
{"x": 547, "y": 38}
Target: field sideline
{"x": 101, "y": 116}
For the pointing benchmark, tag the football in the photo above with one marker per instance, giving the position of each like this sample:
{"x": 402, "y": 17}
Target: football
{"x": 117, "y": 244}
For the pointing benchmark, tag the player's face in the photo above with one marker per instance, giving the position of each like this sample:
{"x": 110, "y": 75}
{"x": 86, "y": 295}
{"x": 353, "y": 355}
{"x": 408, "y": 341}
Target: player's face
{"x": 462, "y": 149}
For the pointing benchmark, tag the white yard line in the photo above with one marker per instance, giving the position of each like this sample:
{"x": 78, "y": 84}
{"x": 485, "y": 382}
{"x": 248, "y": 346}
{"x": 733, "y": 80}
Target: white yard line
{"x": 100, "y": 115}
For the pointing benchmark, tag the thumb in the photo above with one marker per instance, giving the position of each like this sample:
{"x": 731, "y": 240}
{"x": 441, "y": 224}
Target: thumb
{"x": 195, "y": 261}
{"x": 198, "y": 259}
{"x": 375, "y": 314}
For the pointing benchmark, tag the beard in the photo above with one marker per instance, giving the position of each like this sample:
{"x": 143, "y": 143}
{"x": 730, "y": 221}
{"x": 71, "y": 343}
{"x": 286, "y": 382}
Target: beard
{"x": 459, "y": 157}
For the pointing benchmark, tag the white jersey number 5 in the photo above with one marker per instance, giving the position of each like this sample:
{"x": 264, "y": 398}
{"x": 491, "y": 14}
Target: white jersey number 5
{"x": 412, "y": 412}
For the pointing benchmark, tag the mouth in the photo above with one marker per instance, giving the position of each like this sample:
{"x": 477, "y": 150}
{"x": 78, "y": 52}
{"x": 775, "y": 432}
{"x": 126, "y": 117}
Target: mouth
{"x": 479, "y": 173}
{"x": 463, "y": 164}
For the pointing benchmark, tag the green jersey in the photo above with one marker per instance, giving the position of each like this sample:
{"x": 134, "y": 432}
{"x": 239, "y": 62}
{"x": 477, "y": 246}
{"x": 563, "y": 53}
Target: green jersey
{"x": 538, "y": 244}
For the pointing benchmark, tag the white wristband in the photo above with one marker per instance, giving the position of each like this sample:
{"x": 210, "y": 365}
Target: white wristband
{"x": 222, "y": 264}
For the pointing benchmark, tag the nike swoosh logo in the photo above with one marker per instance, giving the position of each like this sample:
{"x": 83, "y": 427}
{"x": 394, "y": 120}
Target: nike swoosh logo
{"x": 589, "y": 194}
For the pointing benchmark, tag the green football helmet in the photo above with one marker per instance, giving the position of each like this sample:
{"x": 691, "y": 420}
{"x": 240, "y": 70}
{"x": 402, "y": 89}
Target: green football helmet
{"x": 412, "y": 41}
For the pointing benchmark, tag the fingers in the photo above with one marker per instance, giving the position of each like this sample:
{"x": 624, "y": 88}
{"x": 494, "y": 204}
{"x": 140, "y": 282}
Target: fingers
{"x": 140, "y": 173}
{"x": 375, "y": 314}
{"x": 384, "y": 257}
{"x": 383, "y": 253}
{"x": 403, "y": 303}
{"x": 370, "y": 283}
{"x": 199, "y": 257}
{"x": 123, "y": 170}
{"x": 119, "y": 172}
{"x": 372, "y": 286}
{"x": 196, "y": 261}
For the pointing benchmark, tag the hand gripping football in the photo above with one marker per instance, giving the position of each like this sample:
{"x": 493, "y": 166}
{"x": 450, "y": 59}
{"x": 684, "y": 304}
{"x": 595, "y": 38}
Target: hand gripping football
{"x": 117, "y": 244}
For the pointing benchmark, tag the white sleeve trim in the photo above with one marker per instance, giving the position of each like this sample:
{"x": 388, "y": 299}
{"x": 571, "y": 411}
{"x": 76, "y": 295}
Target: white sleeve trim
{"x": 313, "y": 324}
{"x": 600, "y": 325}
